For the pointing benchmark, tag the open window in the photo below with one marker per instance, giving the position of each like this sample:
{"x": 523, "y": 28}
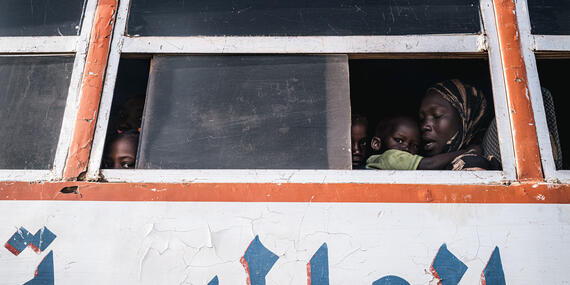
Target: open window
{"x": 238, "y": 101}
{"x": 43, "y": 47}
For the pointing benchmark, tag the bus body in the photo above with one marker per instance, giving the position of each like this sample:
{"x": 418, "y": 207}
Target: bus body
{"x": 74, "y": 222}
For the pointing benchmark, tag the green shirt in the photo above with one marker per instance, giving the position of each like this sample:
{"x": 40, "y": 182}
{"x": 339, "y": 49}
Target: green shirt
{"x": 394, "y": 159}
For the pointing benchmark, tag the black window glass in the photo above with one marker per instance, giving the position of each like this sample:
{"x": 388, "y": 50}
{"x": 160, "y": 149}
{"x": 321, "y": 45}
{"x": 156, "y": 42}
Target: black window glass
{"x": 40, "y": 17}
{"x": 33, "y": 91}
{"x": 549, "y": 17}
{"x": 302, "y": 18}
{"x": 246, "y": 112}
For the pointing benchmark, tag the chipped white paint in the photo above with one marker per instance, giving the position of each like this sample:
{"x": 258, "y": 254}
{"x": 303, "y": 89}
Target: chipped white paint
{"x": 303, "y": 176}
{"x": 552, "y": 43}
{"x": 190, "y": 243}
{"x": 59, "y": 44}
{"x": 313, "y": 44}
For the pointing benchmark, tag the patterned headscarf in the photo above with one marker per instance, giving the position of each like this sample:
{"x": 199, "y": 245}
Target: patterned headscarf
{"x": 472, "y": 108}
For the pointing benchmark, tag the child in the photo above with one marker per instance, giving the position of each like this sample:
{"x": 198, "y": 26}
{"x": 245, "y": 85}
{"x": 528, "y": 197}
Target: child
{"x": 121, "y": 150}
{"x": 399, "y": 138}
{"x": 359, "y": 141}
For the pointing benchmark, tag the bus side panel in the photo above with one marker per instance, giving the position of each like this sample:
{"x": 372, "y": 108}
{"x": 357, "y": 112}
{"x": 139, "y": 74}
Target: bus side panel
{"x": 71, "y": 242}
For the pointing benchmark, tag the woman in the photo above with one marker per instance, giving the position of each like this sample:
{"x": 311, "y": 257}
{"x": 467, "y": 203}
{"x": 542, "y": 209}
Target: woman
{"x": 453, "y": 117}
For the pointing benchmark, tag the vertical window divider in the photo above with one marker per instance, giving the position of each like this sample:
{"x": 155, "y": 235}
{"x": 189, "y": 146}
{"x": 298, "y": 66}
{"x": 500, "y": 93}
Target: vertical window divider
{"x": 74, "y": 93}
{"x": 93, "y": 169}
{"x": 499, "y": 90}
{"x": 534, "y": 89}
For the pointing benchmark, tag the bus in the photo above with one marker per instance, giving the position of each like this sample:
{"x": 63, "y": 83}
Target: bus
{"x": 244, "y": 169}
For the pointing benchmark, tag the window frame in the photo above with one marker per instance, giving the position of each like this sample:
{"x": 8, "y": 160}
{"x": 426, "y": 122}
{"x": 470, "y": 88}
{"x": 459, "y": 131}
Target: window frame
{"x": 483, "y": 44}
{"x": 75, "y": 46}
{"x": 532, "y": 44}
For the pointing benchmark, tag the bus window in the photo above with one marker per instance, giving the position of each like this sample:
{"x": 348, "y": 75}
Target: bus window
{"x": 246, "y": 112}
{"x": 554, "y": 95}
{"x": 549, "y": 17}
{"x": 387, "y": 88}
{"x": 302, "y": 18}
{"x": 41, "y": 18}
{"x": 126, "y": 112}
{"x": 33, "y": 93}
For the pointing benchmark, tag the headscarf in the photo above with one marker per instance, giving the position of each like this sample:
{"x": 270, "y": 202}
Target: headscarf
{"x": 472, "y": 108}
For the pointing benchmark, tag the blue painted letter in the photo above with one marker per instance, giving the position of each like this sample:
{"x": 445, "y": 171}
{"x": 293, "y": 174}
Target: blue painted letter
{"x": 493, "y": 273}
{"x": 257, "y": 262}
{"x": 318, "y": 267}
{"x": 447, "y": 268}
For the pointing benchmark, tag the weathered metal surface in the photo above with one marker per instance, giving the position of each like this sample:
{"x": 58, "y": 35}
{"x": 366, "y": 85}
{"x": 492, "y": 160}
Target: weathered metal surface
{"x": 527, "y": 155}
{"x": 288, "y": 192}
{"x": 275, "y": 243}
{"x": 93, "y": 75}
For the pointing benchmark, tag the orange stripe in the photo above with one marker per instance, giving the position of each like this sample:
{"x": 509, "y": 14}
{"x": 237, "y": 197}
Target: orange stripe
{"x": 289, "y": 192}
{"x": 91, "y": 89}
{"x": 527, "y": 157}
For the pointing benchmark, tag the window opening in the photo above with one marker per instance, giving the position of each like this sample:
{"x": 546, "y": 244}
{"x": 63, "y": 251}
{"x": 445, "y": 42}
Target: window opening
{"x": 126, "y": 113}
{"x": 385, "y": 90}
{"x": 554, "y": 97}
{"x": 199, "y": 115}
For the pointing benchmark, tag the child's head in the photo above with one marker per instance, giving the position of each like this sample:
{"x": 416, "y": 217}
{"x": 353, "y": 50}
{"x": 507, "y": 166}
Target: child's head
{"x": 359, "y": 141}
{"x": 399, "y": 132}
{"x": 130, "y": 114}
{"x": 121, "y": 150}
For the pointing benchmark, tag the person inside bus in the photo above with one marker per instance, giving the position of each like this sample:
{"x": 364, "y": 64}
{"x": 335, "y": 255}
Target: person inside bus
{"x": 121, "y": 150}
{"x": 453, "y": 118}
{"x": 130, "y": 114}
{"x": 359, "y": 141}
{"x": 398, "y": 139}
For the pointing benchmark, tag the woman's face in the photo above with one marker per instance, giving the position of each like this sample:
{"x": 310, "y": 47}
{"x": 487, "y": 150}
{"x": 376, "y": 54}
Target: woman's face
{"x": 439, "y": 121}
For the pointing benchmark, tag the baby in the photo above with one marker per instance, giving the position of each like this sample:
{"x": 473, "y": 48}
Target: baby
{"x": 398, "y": 138}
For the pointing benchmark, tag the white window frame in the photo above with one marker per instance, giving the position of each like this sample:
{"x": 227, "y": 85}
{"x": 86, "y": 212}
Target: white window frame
{"x": 75, "y": 46}
{"x": 462, "y": 44}
{"x": 540, "y": 43}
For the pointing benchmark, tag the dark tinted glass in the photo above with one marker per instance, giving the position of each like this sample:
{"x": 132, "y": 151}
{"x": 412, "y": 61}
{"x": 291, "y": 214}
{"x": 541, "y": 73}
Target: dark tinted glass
{"x": 33, "y": 91}
{"x": 302, "y": 18}
{"x": 246, "y": 112}
{"x": 549, "y": 17}
{"x": 40, "y": 17}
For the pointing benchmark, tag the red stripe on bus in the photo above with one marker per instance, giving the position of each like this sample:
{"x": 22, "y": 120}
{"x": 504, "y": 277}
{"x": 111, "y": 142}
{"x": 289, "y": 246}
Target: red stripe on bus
{"x": 288, "y": 192}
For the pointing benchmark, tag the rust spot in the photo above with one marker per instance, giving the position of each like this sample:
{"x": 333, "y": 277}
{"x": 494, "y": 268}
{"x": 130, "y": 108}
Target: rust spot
{"x": 70, "y": 190}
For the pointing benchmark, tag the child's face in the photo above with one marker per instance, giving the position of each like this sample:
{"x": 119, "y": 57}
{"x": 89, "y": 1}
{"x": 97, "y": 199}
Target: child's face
{"x": 122, "y": 155}
{"x": 405, "y": 137}
{"x": 359, "y": 145}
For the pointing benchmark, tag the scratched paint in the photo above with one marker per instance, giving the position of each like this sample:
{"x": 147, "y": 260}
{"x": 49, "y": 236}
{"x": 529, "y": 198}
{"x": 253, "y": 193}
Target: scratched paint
{"x": 192, "y": 242}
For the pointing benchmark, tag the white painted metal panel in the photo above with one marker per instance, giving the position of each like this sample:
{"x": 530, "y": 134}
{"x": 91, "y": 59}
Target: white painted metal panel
{"x": 320, "y": 44}
{"x": 190, "y": 243}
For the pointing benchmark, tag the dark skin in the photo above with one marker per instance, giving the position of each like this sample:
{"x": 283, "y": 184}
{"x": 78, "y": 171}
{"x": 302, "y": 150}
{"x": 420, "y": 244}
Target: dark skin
{"x": 405, "y": 137}
{"x": 121, "y": 154}
{"x": 439, "y": 122}
{"x": 358, "y": 139}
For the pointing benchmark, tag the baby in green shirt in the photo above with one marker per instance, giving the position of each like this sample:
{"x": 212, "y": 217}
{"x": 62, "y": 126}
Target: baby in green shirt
{"x": 398, "y": 138}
